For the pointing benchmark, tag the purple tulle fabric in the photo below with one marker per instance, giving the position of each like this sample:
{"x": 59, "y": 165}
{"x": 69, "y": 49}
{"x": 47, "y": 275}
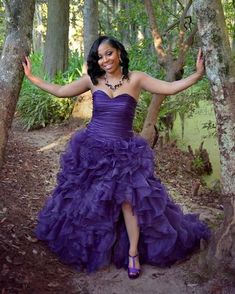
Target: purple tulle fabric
{"x": 103, "y": 166}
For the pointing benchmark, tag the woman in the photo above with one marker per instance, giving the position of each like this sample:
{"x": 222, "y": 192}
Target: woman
{"x": 108, "y": 205}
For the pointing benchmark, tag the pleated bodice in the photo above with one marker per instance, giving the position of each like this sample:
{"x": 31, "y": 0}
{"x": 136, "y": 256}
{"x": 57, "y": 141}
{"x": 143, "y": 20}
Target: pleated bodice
{"x": 112, "y": 117}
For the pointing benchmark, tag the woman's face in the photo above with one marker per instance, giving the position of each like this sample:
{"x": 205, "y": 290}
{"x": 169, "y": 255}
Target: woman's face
{"x": 109, "y": 57}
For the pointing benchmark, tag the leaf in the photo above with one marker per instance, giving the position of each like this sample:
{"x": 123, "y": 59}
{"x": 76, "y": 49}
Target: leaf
{"x": 192, "y": 285}
{"x": 3, "y": 220}
{"x": 53, "y": 285}
{"x": 31, "y": 239}
{"x": 5, "y": 270}
{"x": 8, "y": 259}
{"x": 18, "y": 260}
{"x": 4, "y": 210}
{"x": 35, "y": 252}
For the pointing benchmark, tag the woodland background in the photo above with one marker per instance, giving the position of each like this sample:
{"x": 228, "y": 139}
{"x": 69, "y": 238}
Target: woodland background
{"x": 162, "y": 39}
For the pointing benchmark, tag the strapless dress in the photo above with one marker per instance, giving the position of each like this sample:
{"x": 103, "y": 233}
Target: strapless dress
{"x": 103, "y": 166}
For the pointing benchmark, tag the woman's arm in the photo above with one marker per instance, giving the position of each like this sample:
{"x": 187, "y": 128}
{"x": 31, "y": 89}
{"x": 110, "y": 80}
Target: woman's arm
{"x": 73, "y": 89}
{"x": 156, "y": 86}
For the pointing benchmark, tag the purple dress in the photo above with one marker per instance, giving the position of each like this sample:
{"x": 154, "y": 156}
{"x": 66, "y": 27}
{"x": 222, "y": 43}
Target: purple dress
{"x": 103, "y": 166}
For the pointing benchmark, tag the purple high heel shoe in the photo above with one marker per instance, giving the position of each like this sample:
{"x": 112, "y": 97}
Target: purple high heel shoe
{"x": 133, "y": 272}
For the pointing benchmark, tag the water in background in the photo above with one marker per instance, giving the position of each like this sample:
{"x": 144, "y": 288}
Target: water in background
{"x": 194, "y": 134}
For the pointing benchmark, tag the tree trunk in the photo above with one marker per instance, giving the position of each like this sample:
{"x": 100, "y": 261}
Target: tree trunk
{"x": 19, "y": 18}
{"x": 220, "y": 69}
{"x": 38, "y": 42}
{"x": 56, "y": 45}
{"x": 83, "y": 106}
{"x": 233, "y": 43}
{"x": 90, "y": 21}
{"x": 172, "y": 74}
{"x": 124, "y": 30}
{"x": 173, "y": 66}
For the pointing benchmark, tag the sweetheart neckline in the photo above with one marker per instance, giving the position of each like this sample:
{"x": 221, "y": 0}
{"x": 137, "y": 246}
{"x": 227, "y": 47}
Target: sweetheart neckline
{"x": 112, "y": 98}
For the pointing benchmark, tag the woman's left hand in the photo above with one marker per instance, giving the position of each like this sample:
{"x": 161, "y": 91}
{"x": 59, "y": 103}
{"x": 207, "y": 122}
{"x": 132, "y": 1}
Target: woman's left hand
{"x": 200, "y": 63}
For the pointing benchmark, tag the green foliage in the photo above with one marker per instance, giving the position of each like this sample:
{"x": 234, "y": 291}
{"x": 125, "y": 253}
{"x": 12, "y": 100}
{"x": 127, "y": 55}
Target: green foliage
{"x": 2, "y": 25}
{"x": 141, "y": 112}
{"x": 143, "y": 56}
{"x": 38, "y": 108}
{"x": 185, "y": 103}
{"x": 198, "y": 164}
{"x": 211, "y": 128}
{"x": 229, "y": 11}
{"x": 129, "y": 18}
{"x": 74, "y": 71}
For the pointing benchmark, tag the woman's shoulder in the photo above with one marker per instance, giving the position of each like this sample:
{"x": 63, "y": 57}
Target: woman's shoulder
{"x": 136, "y": 75}
{"x": 86, "y": 80}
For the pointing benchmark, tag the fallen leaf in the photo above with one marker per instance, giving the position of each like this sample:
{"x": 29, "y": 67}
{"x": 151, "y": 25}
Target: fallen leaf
{"x": 35, "y": 252}
{"x": 8, "y": 259}
{"x": 3, "y": 220}
{"x": 4, "y": 210}
{"x": 53, "y": 284}
{"x": 192, "y": 285}
{"x": 5, "y": 270}
{"x": 31, "y": 239}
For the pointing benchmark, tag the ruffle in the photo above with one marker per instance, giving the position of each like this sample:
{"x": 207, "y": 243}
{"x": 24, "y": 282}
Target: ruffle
{"x": 82, "y": 220}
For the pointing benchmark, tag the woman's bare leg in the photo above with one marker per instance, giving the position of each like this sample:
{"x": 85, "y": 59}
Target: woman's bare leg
{"x": 133, "y": 232}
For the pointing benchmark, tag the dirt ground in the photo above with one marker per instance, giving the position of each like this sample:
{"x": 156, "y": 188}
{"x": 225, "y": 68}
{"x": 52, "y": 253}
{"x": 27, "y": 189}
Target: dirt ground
{"x": 27, "y": 266}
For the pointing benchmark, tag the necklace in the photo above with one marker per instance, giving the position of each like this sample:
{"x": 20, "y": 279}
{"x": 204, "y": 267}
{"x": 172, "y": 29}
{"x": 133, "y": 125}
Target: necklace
{"x": 115, "y": 86}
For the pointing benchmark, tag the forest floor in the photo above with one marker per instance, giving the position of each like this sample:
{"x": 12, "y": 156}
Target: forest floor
{"x": 27, "y": 266}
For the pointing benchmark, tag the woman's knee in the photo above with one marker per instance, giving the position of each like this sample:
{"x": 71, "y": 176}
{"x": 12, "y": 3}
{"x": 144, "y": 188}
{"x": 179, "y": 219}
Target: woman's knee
{"x": 126, "y": 206}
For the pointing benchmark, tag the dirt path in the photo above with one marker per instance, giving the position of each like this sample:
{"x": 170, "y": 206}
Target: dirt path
{"x": 28, "y": 267}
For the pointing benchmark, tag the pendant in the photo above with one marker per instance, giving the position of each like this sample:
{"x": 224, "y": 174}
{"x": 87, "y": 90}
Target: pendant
{"x": 116, "y": 86}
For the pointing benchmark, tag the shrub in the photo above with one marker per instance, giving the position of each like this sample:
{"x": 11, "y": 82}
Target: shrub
{"x": 38, "y": 108}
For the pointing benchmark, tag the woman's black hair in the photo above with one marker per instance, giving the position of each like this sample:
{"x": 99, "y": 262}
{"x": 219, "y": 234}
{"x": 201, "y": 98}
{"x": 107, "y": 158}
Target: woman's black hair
{"x": 93, "y": 68}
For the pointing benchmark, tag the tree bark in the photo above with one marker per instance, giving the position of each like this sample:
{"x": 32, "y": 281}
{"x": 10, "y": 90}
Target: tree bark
{"x": 19, "y": 18}
{"x": 124, "y": 30}
{"x": 173, "y": 66}
{"x": 90, "y": 21}
{"x": 233, "y": 43}
{"x": 56, "y": 45}
{"x": 38, "y": 42}
{"x": 83, "y": 106}
{"x": 220, "y": 69}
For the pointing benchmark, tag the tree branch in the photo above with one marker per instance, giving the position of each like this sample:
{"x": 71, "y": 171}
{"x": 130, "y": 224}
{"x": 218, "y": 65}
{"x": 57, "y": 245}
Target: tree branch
{"x": 157, "y": 38}
{"x": 182, "y": 6}
{"x": 182, "y": 18}
{"x": 165, "y": 7}
{"x": 181, "y": 26}
{"x": 172, "y": 26}
{"x": 8, "y": 9}
{"x": 106, "y": 5}
{"x": 185, "y": 47}
{"x": 189, "y": 41}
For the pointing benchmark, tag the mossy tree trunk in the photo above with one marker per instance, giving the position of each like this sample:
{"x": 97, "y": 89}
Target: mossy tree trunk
{"x": 220, "y": 69}
{"x": 19, "y": 19}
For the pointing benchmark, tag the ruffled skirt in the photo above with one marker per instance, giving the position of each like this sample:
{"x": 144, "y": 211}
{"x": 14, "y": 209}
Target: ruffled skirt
{"x": 82, "y": 221}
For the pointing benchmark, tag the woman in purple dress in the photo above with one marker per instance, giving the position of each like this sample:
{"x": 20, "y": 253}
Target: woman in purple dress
{"x": 108, "y": 206}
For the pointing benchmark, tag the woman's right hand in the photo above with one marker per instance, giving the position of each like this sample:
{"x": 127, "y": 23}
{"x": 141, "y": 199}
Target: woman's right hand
{"x": 27, "y": 67}
{"x": 73, "y": 89}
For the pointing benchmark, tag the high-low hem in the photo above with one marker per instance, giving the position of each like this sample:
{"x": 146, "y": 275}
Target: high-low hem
{"x": 82, "y": 221}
